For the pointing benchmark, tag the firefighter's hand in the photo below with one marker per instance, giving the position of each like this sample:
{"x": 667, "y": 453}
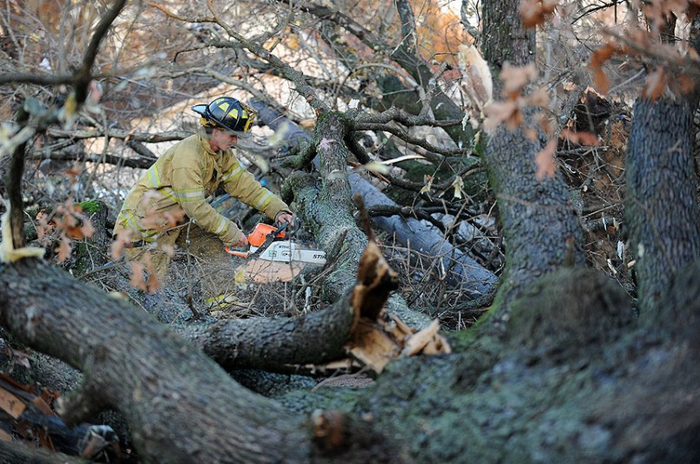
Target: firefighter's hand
{"x": 284, "y": 217}
{"x": 241, "y": 241}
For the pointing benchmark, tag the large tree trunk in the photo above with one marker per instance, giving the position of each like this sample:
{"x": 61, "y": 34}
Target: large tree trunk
{"x": 539, "y": 221}
{"x": 664, "y": 222}
{"x": 557, "y": 392}
{"x": 179, "y": 404}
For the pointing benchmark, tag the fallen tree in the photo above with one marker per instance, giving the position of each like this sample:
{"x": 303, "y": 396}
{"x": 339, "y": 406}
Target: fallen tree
{"x": 569, "y": 375}
{"x": 590, "y": 377}
{"x": 460, "y": 270}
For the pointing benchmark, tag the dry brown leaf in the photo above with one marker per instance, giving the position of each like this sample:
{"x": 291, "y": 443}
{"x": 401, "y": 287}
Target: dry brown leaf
{"x": 476, "y": 76}
{"x": 539, "y": 97}
{"x": 546, "y": 166}
{"x": 684, "y": 83}
{"x": 530, "y": 133}
{"x": 137, "y": 280}
{"x": 173, "y": 218}
{"x": 516, "y": 78}
{"x": 438, "y": 345}
{"x": 655, "y": 85}
{"x": 117, "y": 248}
{"x": 598, "y": 60}
{"x": 603, "y": 54}
{"x": 86, "y": 229}
{"x": 536, "y": 12}
{"x": 74, "y": 171}
{"x": 398, "y": 329}
{"x": 63, "y": 249}
{"x": 601, "y": 81}
{"x": 152, "y": 284}
{"x": 507, "y": 112}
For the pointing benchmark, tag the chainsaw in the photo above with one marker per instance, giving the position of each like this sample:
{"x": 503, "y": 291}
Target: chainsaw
{"x": 268, "y": 243}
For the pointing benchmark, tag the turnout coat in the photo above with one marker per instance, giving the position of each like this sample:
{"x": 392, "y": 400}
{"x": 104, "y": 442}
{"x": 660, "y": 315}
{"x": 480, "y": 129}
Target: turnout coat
{"x": 182, "y": 178}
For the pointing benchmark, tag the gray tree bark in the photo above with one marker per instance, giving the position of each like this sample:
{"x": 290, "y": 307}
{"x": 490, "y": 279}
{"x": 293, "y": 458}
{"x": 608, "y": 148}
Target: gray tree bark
{"x": 161, "y": 384}
{"x": 664, "y": 222}
{"x": 505, "y": 38}
{"x": 539, "y": 222}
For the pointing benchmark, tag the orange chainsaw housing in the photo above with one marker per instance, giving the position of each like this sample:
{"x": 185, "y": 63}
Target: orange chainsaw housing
{"x": 259, "y": 234}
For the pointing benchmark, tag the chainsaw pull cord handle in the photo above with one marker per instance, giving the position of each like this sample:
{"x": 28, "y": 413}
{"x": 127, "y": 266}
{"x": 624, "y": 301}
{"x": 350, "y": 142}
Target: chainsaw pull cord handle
{"x": 234, "y": 252}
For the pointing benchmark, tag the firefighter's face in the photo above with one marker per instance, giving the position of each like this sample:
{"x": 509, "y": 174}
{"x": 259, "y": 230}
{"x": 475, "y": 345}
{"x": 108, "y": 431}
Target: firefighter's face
{"x": 222, "y": 140}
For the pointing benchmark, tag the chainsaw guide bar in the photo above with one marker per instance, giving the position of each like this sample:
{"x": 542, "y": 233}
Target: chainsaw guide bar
{"x": 267, "y": 243}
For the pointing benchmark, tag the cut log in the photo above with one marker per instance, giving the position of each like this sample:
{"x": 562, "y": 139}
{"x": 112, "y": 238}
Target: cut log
{"x": 356, "y": 326}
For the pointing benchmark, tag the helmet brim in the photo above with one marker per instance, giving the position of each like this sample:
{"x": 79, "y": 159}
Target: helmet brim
{"x": 201, "y": 109}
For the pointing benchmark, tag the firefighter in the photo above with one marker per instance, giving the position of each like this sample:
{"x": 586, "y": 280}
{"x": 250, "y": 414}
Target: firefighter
{"x": 181, "y": 180}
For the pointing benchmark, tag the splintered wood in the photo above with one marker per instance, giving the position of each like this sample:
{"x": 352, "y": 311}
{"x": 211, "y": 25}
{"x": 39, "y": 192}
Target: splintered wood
{"x": 378, "y": 337}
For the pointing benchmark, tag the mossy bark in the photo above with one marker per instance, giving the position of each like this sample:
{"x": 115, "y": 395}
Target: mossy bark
{"x": 574, "y": 379}
{"x": 589, "y": 385}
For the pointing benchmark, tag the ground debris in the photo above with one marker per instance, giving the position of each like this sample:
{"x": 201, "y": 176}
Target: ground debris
{"x": 29, "y": 418}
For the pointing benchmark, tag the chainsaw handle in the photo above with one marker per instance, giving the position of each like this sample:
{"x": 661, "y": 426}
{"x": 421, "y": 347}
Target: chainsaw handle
{"x": 280, "y": 229}
{"x": 231, "y": 251}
